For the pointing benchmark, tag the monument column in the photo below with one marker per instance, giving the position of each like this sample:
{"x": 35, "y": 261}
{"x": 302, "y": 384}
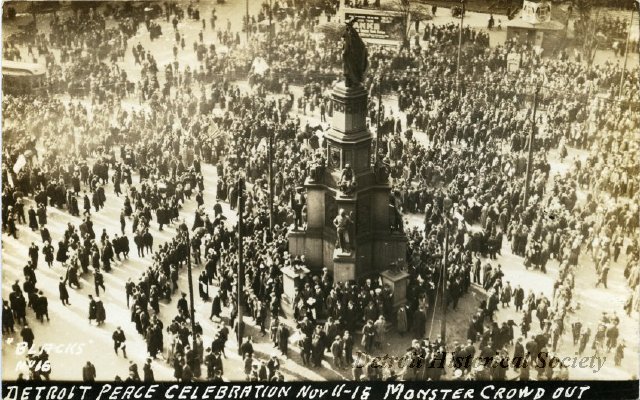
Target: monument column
{"x": 350, "y": 228}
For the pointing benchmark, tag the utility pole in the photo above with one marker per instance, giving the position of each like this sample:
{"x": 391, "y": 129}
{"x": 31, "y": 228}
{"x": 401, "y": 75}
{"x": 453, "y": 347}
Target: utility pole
{"x": 447, "y": 203}
{"x": 626, "y": 55}
{"x": 247, "y": 17}
{"x": 592, "y": 43}
{"x": 193, "y": 311}
{"x": 459, "y": 50}
{"x": 270, "y": 21}
{"x": 532, "y": 136}
{"x": 378, "y": 136}
{"x": 240, "y": 283}
{"x": 271, "y": 220}
{"x": 443, "y": 325}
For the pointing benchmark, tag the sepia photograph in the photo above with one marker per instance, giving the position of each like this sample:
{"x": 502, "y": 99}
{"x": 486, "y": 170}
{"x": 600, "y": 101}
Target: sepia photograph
{"x": 424, "y": 193}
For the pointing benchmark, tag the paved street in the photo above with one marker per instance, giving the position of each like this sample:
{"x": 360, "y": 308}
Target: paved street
{"x": 82, "y": 341}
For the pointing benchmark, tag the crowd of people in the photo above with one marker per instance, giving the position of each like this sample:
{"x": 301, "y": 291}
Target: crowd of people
{"x": 609, "y": 31}
{"x": 81, "y": 146}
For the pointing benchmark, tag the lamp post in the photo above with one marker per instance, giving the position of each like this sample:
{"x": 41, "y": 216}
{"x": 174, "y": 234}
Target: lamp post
{"x": 626, "y": 52}
{"x": 240, "y": 283}
{"x": 271, "y": 185}
{"x": 192, "y": 310}
{"x": 270, "y": 18}
{"x": 462, "y": 2}
{"x": 447, "y": 204}
{"x": 532, "y": 136}
{"x": 247, "y": 17}
{"x": 378, "y": 136}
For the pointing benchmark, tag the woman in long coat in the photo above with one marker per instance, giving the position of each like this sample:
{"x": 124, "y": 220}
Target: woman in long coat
{"x": 61, "y": 255}
{"x": 101, "y": 314}
{"x": 92, "y": 309}
{"x": 317, "y": 350}
{"x": 505, "y": 297}
{"x": 33, "y": 219}
{"x": 128, "y": 210}
{"x": 42, "y": 215}
{"x": 216, "y": 308}
{"x": 47, "y": 250}
{"x": 283, "y": 339}
{"x": 177, "y": 368}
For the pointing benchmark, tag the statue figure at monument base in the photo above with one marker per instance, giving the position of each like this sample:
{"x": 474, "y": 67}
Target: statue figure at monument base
{"x": 347, "y": 182}
{"x": 381, "y": 171}
{"x": 342, "y": 222}
{"x": 317, "y": 168}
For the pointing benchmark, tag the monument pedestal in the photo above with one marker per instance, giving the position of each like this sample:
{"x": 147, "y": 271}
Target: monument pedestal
{"x": 296, "y": 242}
{"x": 344, "y": 266}
{"x": 397, "y": 280}
{"x": 371, "y": 229}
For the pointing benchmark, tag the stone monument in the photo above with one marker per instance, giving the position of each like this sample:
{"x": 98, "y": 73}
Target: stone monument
{"x": 351, "y": 227}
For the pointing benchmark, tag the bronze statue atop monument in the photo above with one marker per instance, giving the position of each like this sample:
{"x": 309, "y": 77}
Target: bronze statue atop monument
{"x": 354, "y": 56}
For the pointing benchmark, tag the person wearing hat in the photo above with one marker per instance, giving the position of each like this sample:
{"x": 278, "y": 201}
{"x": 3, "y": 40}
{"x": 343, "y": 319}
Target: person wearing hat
{"x": 217, "y": 362}
{"x": 318, "y": 346}
{"x": 133, "y": 372}
{"x": 209, "y": 363}
{"x": 101, "y": 314}
{"x": 98, "y": 282}
{"x": 147, "y": 372}
{"x": 467, "y": 353}
{"x": 183, "y": 307}
{"x": 48, "y": 252}
{"x": 11, "y": 223}
{"x": 273, "y": 330}
{"x": 64, "y": 293}
{"x": 203, "y": 286}
{"x": 261, "y": 316}
{"x": 130, "y": 290}
{"x": 305, "y": 347}
{"x": 247, "y": 346}
{"x": 184, "y": 369}
{"x": 331, "y": 327}
{"x": 368, "y": 336}
{"x": 92, "y": 308}
{"x": 337, "y": 352}
{"x": 119, "y": 340}
{"x": 33, "y": 254}
{"x": 518, "y": 297}
{"x": 263, "y": 373}
{"x": 273, "y": 366}
{"x": 88, "y": 373}
{"x": 33, "y": 221}
{"x": 283, "y": 339}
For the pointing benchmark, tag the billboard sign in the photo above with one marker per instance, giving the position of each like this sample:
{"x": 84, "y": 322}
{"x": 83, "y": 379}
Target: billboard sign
{"x": 377, "y": 24}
